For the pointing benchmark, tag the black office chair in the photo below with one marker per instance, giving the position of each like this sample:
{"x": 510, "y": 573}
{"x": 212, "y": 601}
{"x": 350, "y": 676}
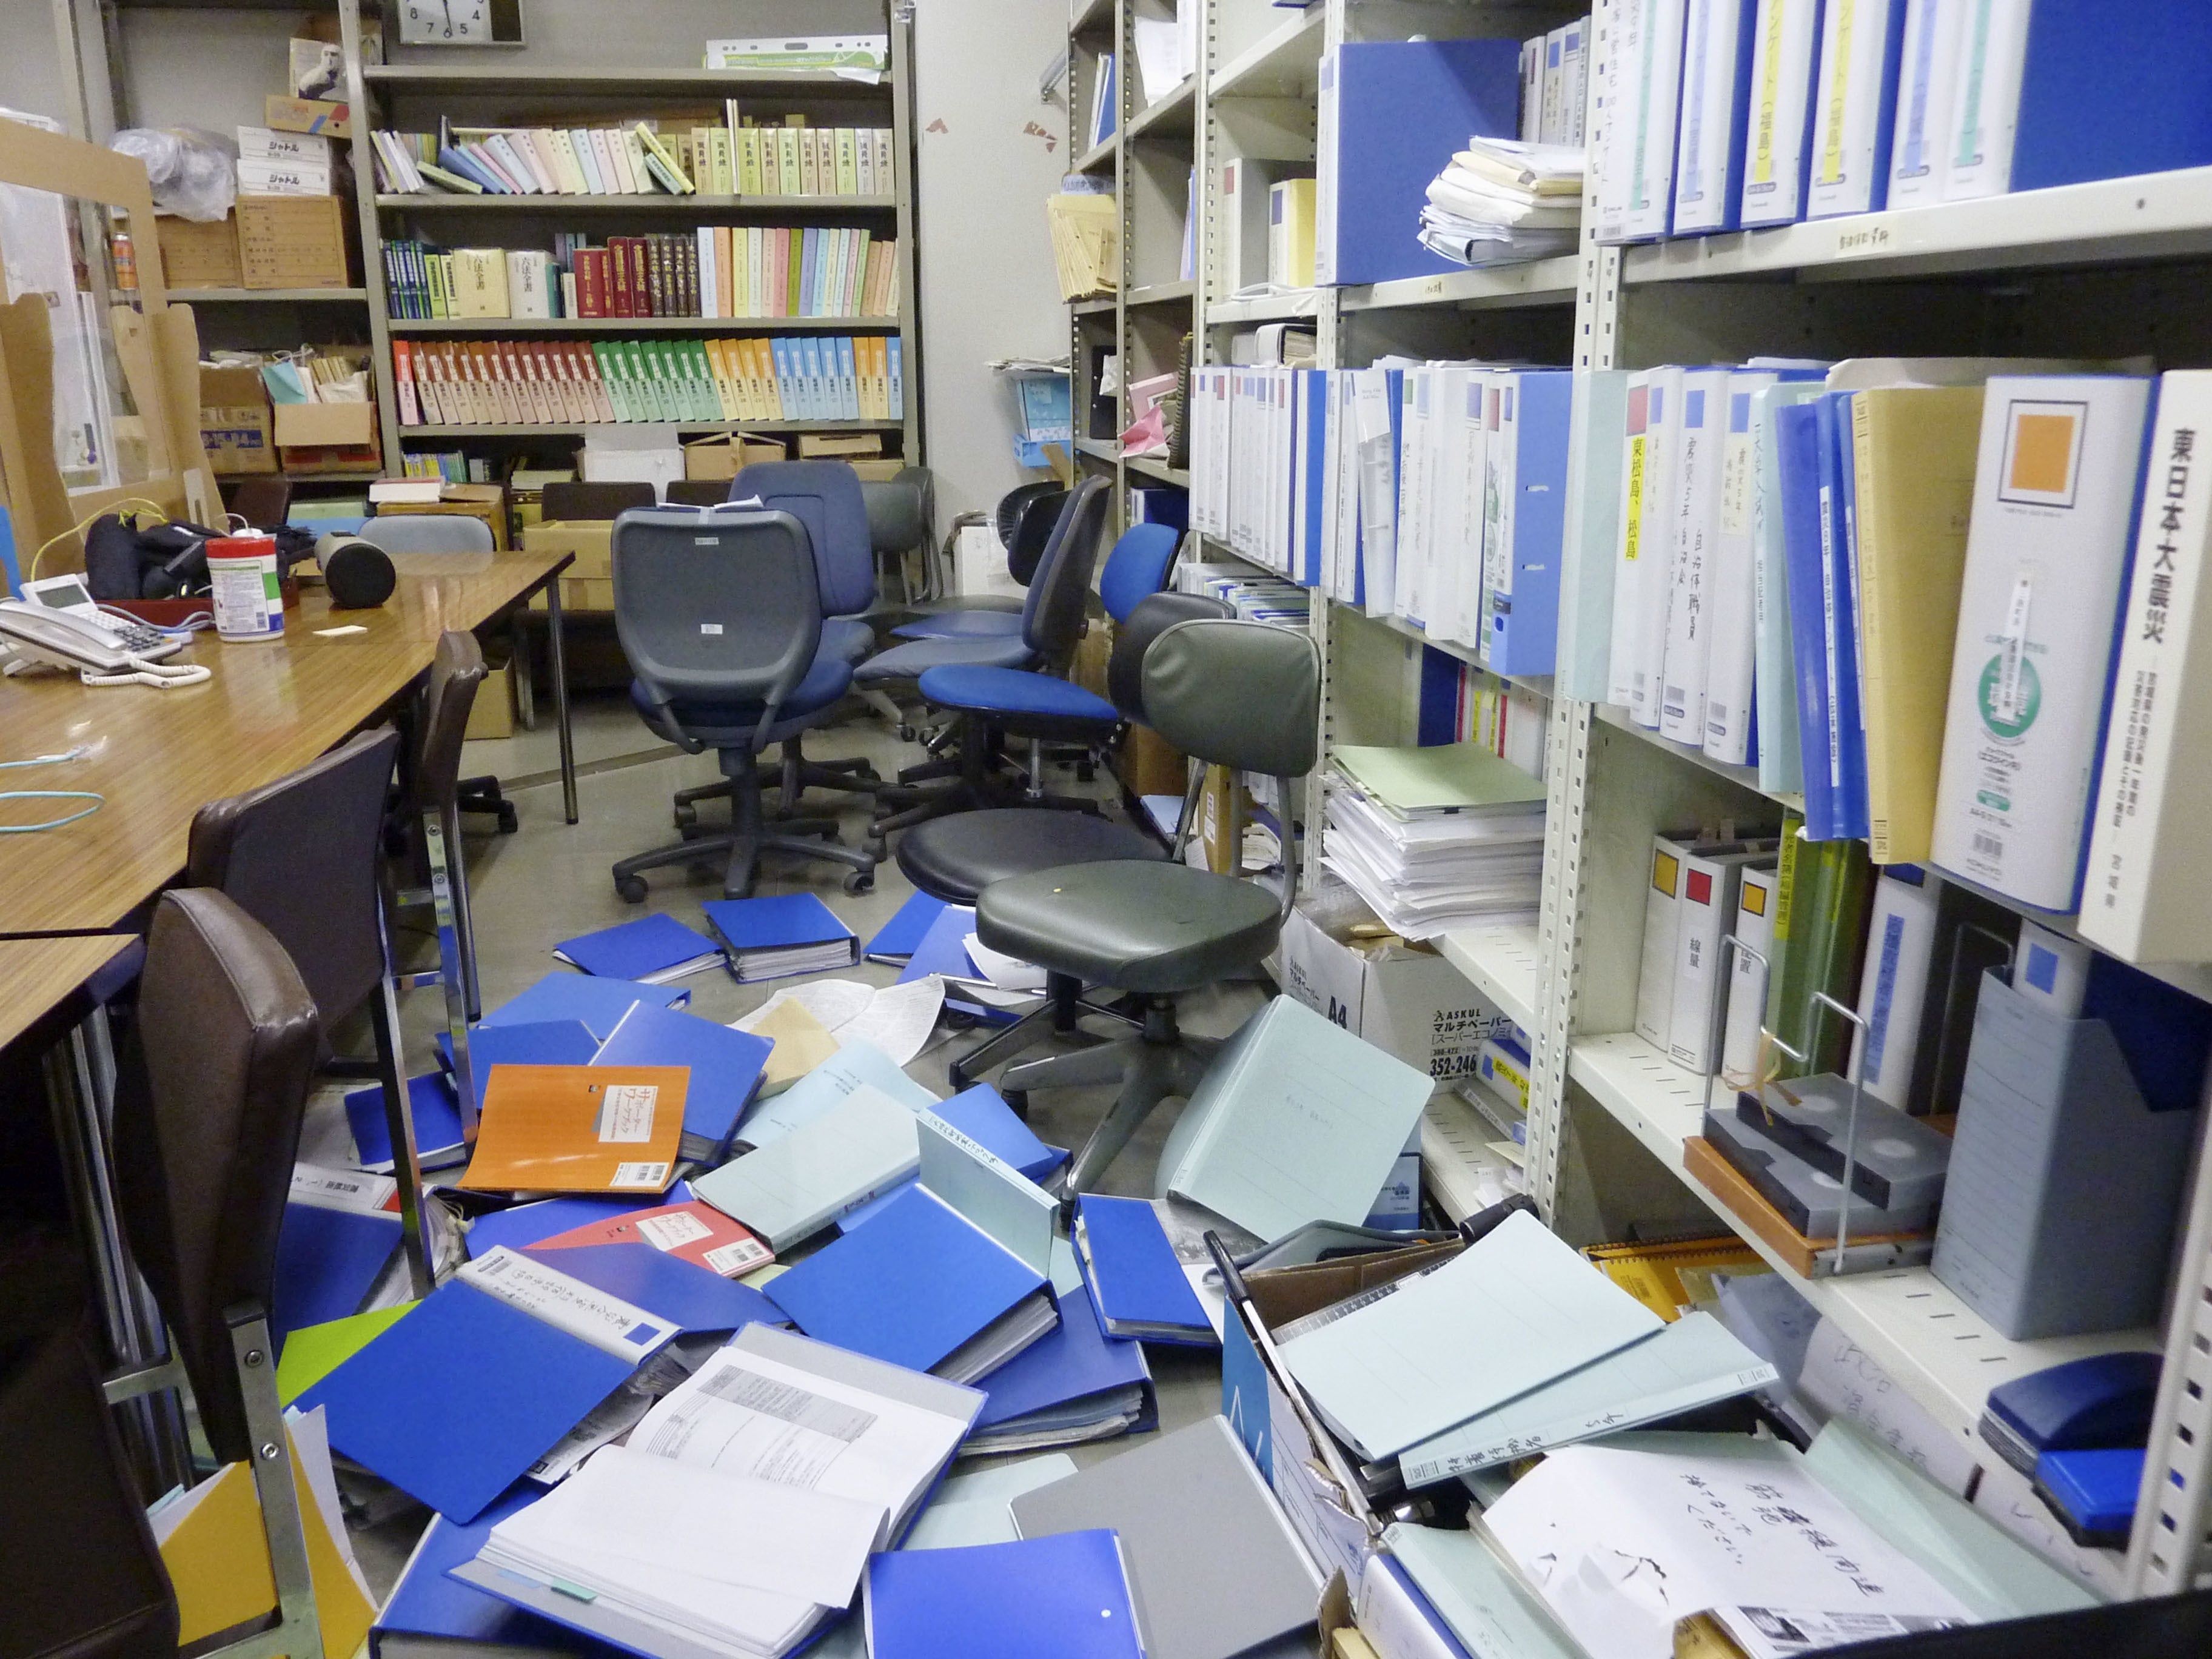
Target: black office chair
{"x": 697, "y": 492}
{"x": 720, "y": 614}
{"x": 956, "y": 857}
{"x": 1023, "y": 522}
{"x": 1237, "y": 694}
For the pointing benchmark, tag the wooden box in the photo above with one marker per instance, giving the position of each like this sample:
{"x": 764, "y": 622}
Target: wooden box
{"x": 194, "y": 255}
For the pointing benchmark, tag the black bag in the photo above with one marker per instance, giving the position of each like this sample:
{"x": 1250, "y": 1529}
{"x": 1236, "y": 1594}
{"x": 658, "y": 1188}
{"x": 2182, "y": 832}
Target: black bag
{"x": 164, "y": 561}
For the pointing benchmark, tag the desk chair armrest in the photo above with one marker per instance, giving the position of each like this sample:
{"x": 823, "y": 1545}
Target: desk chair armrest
{"x": 661, "y": 706}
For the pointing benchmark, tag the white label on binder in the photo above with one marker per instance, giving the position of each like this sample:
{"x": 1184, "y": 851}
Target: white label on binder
{"x": 665, "y": 1232}
{"x": 626, "y": 1113}
{"x": 590, "y": 1314}
{"x": 2006, "y": 704}
{"x": 341, "y": 1189}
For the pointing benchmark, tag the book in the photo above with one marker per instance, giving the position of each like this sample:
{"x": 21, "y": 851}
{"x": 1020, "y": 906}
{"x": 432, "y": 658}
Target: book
{"x": 1693, "y": 515}
{"x": 772, "y": 938}
{"x": 1855, "y": 92}
{"x": 2057, "y": 484}
{"x": 579, "y": 1128}
{"x": 455, "y": 1401}
{"x": 1296, "y": 1120}
{"x": 1138, "y": 1282}
{"x": 1774, "y": 683}
{"x": 1193, "y": 1514}
{"x": 725, "y": 1067}
{"x": 952, "y": 1276}
{"x": 1639, "y": 593}
{"x": 435, "y": 1110}
{"x": 1636, "y": 188}
{"x": 1748, "y": 976}
{"x": 1068, "y": 1593}
{"x": 1073, "y": 1386}
{"x": 651, "y": 951}
{"x": 1927, "y": 82}
{"x": 694, "y": 1231}
{"x": 798, "y": 1185}
{"x": 1716, "y": 116}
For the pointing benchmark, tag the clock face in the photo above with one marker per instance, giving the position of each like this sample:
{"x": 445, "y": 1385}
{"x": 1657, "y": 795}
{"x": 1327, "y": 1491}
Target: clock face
{"x": 449, "y": 23}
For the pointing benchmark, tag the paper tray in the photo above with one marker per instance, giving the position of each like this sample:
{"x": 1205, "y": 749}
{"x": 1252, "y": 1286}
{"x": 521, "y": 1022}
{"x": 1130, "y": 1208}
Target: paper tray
{"x": 1807, "y": 1257}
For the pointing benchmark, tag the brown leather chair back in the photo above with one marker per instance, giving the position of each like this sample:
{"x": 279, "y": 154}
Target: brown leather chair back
{"x": 263, "y": 500}
{"x": 571, "y": 501}
{"x": 697, "y": 492}
{"x": 300, "y": 856}
{"x": 80, "y": 1577}
{"x": 455, "y": 672}
{"x": 210, "y": 1090}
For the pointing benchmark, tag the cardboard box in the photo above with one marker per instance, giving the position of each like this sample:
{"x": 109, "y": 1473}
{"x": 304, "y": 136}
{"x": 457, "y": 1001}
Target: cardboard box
{"x": 326, "y": 424}
{"x": 838, "y": 446}
{"x": 485, "y": 501}
{"x": 293, "y": 241}
{"x": 727, "y": 453}
{"x": 877, "y": 472}
{"x": 1150, "y": 765}
{"x": 588, "y": 593}
{"x": 194, "y": 255}
{"x": 492, "y": 714}
{"x": 1407, "y": 1001}
{"x": 306, "y": 115}
{"x": 235, "y": 421}
{"x": 590, "y": 543}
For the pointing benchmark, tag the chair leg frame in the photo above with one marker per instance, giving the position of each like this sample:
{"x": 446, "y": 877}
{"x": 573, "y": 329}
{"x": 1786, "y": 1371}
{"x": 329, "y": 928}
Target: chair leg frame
{"x": 1156, "y": 1064}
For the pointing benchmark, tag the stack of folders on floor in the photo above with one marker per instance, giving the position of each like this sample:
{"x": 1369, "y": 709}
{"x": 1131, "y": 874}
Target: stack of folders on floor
{"x": 772, "y": 938}
{"x": 1500, "y": 202}
{"x": 1437, "y": 838}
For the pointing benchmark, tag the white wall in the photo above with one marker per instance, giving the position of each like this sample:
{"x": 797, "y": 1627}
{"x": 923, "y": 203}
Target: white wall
{"x": 987, "y": 285}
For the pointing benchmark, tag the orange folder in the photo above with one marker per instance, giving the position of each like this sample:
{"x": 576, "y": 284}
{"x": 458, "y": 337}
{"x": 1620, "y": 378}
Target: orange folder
{"x": 579, "y": 1129}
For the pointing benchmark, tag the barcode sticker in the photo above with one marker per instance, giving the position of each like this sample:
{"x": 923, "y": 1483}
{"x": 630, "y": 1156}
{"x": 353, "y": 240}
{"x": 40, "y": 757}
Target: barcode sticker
{"x": 665, "y": 1232}
{"x": 738, "y": 1257}
{"x": 626, "y": 1112}
{"x": 1988, "y": 846}
{"x": 654, "y": 1176}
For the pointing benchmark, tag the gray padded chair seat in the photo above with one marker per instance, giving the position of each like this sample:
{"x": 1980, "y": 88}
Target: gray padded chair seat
{"x": 1154, "y": 928}
{"x": 848, "y": 637}
{"x": 955, "y": 858}
{"x": 911, "y": 660}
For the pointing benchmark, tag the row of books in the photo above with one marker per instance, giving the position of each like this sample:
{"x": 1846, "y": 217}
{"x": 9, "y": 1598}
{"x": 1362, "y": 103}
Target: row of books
{"x": 1735, "y": 115}
{"x": 640, "y": 159}
{"x": 1462, "y": 703}
{"x": 717, "y": 271}
{"x": 1555, "y": 87}
{"x": 1433, "y": 493}
{"x": 565, "y": 384}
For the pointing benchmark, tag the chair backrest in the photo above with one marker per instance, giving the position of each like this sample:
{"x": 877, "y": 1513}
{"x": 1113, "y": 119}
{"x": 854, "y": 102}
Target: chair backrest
{"x": 1034, "y": 523}
{"x": 79, "y": 1574}
{"x": 428, "y": 533}
{"x": 1243, "y": 695}
{"x": 300, "y": 856}
{"x": 263, "y": 500}
{"x": 1053, "y": 614}
{"x": 1008, "y": 512}
{"x": 569, "y": 499}
{"x": 1138, "y": 567}
{"x": 456, "y": 671}
{"x": 210, "y": 1091}
{"x": 1133, "y": 634}
{"x": 825, "y": 497}
{"x": 696, "y": 492}
{"x": 721, "y": 605}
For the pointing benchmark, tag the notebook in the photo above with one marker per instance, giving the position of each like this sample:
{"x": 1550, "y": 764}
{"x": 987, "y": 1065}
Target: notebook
{"x": 1137, "y": 1283}
{"x": 1067, "y": 1595}
{"x": 455, "y": 1401}
{"x": 695, "y": 1232}
{"x": 952, "y": 1277}
{"x": 579, "y": 1129}
{"x": 651, "y": 951}
{"x": 895, "y": 941}
{"x": 339, "y": 1230}
{"x": 726, "y": 1067}
{"x": 436, "y": 1109}
{"x": 789, "y": 933}
{"x": 598, "y": 1003}
{"x": 794, "y": 1187}
{"x": 1072, "y": 1386}
{"x": 1214, "y": 1567}
{"x": 1515, "y": 1310}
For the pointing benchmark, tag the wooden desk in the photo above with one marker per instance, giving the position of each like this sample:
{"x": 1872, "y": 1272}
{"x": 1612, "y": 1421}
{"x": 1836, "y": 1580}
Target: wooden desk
{"x": 38, "y": 975}
{"x": 271, "y": 707}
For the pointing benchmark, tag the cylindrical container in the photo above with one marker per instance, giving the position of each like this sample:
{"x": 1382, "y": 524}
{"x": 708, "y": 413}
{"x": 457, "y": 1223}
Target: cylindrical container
{"x": 242, "y": 579}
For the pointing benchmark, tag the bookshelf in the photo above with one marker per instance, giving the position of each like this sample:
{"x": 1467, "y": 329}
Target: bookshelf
{"x": 2106, "y": 269}
{"x": 491, "y": 88}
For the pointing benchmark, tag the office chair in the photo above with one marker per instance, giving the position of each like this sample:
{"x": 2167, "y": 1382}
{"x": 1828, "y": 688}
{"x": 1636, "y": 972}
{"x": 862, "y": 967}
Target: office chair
{"x": 568, "y": 500}
{"x": 79, "y": 1573}
{"x": 697, "y": 492}
{"x": 760, "y": 677}
{"x": 212, "y": 1088}
{"x": 441, "y": 723}
{"x": 263, "y": 500}
{"x": 1237, "y": 694}
{"x": 1053, "y": 623}
{"x": 300, "y": 856}
{"x": 902, "y": 518}
{"x": 956, "y": 857}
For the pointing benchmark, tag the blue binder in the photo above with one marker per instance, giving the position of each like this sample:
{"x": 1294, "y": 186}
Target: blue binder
{"x": 598, "y": 1003}
{"x": 637, "y": 948}
{"x": 779, "y": 923}
{"x": 1070, "y": 1365}
{"x": 894, "y": 941}
{"x": 1066, "y": 1595}
{"x": 1737, "y": 137}
{"x": 427, "y": 1603}
{"x": 548, "y": 1043}
{"x": 692, "y": 1297}
{"x": 327, "y": 1262}
{"x": 911, "y": 1287}
{"x": 1798, "y": 443}
{"x": 983, "y": 1114}
{"x": 1311, "y": 390}
{"x": 437, "y": 1111}
{"x": 1402, "y": 107}
{"x": 1525, "y": 625}
{"x": 2106, "y": 92}
{"x": 1137, "y": 1285}
{"x": 725, "y": 1069}
{"x": 944, "y": 950}
{"x": 1839, "y": 488}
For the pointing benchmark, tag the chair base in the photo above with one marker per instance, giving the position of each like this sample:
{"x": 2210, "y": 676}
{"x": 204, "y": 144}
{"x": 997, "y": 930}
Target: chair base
{"x": 1156, "y": 1063}
{"x": 1064, "y": 1006}
{"x": 482, "y": 795}
{"x": 740, "y": 846}
{"x": 788, "y": 777}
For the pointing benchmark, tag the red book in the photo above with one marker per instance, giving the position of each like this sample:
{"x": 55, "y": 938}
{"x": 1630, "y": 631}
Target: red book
{"x": 618, "y": 273}
{"x": 591, "y": 281}
{"x": 699, "y": 1233}
{"x": 640, "y": 289}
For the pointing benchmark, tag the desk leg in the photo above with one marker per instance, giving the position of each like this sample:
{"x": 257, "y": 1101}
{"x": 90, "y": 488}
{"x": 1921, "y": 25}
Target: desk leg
{"x": 526, "y": 689}
{"x": 559, "y": 668}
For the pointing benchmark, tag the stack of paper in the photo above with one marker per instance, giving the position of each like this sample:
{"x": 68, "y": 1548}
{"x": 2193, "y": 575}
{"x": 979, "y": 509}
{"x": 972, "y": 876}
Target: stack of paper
{"x": 897, "y": 1019}
{"x": 1086, "y": 242}
{"x": 1436, "y": 838}
{"x": 1500, "y": 201}
{"x": 773, "y": 938}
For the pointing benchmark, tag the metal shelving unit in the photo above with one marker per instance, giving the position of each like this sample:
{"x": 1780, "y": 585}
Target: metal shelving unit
{"x": 425, "y": 89}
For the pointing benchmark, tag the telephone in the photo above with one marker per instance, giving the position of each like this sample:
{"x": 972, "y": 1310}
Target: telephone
{"x": 59, "y": 622}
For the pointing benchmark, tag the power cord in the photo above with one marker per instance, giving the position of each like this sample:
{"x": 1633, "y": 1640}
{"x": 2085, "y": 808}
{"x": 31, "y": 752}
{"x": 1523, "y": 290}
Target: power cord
{"x": 142, "y": 672}
{"x": 98, "y": 800}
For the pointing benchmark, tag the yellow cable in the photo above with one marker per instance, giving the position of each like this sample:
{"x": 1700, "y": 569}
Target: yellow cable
{"x": 154, "y": 508}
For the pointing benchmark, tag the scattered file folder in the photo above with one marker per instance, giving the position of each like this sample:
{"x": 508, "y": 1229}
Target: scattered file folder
{"x": 436, "y": 1113}
{"x": 894, "y": 941}
{"x": 651, "y": 951}
{"x": 695, "y": 1232}
{"x": 797, "y": 1185}
{"x": 1073, "y": 1385}
{"x": 725, "y": 1069}
{"x": 337, "y": 1238}
{"x": 1067, "y": 1595}
{"x": 790, "y": 934}
{"x": 536, "y": 1042}
{"x": 598, "y": 1003}
{"x": 579, "y": 1128}
{"x": 1140, "y": 1287}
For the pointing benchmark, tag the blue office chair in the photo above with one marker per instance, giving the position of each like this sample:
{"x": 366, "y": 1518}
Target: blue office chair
{"x": 1022, "y": 520}
{"x": 719, "y": 613}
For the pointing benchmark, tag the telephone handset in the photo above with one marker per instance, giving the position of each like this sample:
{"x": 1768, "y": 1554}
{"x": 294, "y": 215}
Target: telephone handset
{"x": 66, "y": 628}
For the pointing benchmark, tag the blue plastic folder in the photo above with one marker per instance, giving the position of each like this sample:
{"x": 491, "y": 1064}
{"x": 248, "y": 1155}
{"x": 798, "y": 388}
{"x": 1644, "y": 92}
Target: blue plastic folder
{"x": 983, "y": 1115}
{"x": 548, "y": 1043}
{"x": 1804, "y": 528}
{"x": 1839, "y": 490}
{"x": 598, "y": 1003}
{"x": 637, "y": 949}
{"x": 1066, "y": 1595}
{"x": 425, "y": 1602}
{"x": 1136, "y": 1282}
{"x": 327, "y": 1262}
{"x": 1524, "y": 623}
{"x": 1070, "y": 1365}
{"x": 944, "y": 950}
{"x": 787, "y": 921}
{"x": 437, "y": 1111}
{"x": 894, "y": 941}
{"x": 725, "y": 1069}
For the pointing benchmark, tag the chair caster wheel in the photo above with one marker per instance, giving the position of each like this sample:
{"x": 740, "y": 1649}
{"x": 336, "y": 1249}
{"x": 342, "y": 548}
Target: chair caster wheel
{"x": 508, "y": 823}
{"x": 686, "y": 815}
{"x": 630, "y": 889}
{"x": 875, "y": 847}
{"x": 867, "y": 773}
{"x": 860, "y": 882}
{"x": 908, "y": 734}
{"x": 828, "y": 832}
{"x": 1085, "y": 772}
{"x": 1018, "y": 1099}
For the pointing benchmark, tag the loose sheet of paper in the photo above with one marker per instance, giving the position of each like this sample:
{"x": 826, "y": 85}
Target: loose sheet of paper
{"x": 896, "y": 1019}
